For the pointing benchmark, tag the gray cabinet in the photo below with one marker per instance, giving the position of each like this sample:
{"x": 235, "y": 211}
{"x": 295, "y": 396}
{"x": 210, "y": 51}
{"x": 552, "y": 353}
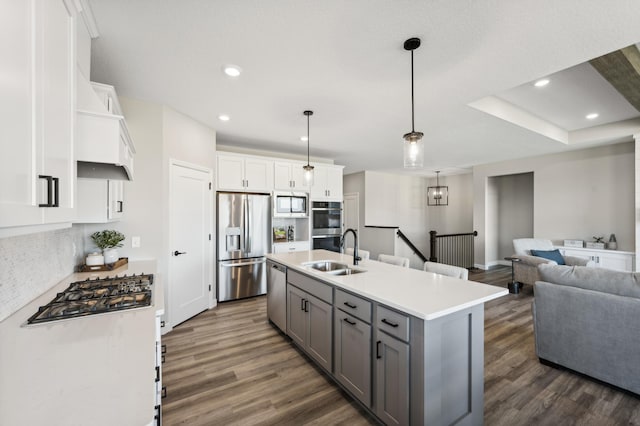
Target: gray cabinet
{"x": 352, "y": 341}
{"x": 309, "y": 321}
{"x": 392, "y": 392}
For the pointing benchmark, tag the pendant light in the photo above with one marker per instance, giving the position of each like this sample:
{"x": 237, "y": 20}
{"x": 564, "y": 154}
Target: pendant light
{"x": 437, "y": 195}
{"x": 413, "y": 145}
{"x": 308, "y": 168}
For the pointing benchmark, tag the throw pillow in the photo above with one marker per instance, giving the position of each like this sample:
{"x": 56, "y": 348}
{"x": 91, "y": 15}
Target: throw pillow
{"x": 550, "y": 254}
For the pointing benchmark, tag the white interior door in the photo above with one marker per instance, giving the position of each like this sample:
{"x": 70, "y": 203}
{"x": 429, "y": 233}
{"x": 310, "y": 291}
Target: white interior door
{"x": 351, "y": 211}
{"x": 191, "y": 260}
{"x": 351, "y": 215}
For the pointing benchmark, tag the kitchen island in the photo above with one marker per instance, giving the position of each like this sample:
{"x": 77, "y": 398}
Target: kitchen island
{"x": 407, "y": 344}
{"x": 96, "y": 369}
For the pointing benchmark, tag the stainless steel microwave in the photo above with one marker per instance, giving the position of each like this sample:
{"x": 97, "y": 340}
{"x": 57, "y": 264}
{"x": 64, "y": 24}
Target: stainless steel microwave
{"x": 290, "y": 204}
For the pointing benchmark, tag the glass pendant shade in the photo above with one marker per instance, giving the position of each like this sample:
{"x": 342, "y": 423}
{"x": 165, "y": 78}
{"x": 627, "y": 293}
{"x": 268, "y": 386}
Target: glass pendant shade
{"x": 308, "y": 175}
{"x": 413, "y": 150}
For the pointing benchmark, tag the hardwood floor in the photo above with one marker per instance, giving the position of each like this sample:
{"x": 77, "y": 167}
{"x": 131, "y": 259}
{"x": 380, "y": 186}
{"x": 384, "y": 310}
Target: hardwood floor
{"x": 229, "y": 366}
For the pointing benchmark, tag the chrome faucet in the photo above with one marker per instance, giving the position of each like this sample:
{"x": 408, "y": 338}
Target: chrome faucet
{"x": 356, "y": 258}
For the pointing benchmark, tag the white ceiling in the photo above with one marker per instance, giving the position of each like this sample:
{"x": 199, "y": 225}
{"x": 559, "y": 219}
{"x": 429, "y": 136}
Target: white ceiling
{"x": 345, "y": 61}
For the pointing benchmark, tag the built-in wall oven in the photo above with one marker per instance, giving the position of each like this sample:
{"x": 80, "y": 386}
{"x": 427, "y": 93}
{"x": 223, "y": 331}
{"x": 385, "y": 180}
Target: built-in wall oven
{"x": 326, "y": 219}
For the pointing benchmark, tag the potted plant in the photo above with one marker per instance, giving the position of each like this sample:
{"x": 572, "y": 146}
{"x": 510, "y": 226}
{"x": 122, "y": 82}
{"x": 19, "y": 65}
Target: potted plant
{"x": 107, "y": 241}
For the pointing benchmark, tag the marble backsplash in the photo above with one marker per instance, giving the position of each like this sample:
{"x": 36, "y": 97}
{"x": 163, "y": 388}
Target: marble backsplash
{"x": 32, "y": 264}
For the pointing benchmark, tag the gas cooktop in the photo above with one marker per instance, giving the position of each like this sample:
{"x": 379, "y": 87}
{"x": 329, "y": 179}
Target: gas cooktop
{"x": 97, "y": 296}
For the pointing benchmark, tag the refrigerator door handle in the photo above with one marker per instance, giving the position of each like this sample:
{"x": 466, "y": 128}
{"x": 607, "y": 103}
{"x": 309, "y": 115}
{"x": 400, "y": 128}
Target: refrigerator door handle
{"x": 247, "y": 229}
{"x": 233, "y": 265}
{"x": 245, "y": 223}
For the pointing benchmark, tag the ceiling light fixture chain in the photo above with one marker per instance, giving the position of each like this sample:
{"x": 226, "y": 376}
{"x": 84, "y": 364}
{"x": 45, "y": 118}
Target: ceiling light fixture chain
{"x": 308, "y": 168}
{"x": 413, "y": 145}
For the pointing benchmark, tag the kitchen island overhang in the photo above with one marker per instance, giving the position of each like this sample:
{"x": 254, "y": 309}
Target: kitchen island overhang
{"x": 444, "y": 344}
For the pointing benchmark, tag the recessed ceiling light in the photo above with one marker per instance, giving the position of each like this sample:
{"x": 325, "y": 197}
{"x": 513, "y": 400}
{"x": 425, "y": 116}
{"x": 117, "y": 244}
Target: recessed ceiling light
{"x": 304, "y": 138}
{"x": 224, "y": 117}
{"x": 592, "y": 116}
{"x": 541, "y": 83}
{"x": 231, "y": 70}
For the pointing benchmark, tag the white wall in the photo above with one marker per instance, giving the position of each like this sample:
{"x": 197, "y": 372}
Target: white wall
{"x": 456, "y": 217}
{"x": 577, "y": 195}
{"x": 374, "y": 240}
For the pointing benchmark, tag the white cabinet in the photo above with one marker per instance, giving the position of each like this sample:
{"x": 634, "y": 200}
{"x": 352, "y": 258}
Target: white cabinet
{"x": 244, "y": 173}
{"x": 327, "y": 183}
{"x": 291, "y": 246}
{"x": 37, "y": 39}
{"x": 289, "y": 176}
{"x": 100, "y": 201}
{"x": 609, "y": 259}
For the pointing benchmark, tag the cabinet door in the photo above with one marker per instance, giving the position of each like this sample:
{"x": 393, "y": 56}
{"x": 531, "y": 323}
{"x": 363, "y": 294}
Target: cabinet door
{"x": 319, "y": 187}
{"x": 18, "y": 171}
{"x": 230, "y": 172}
{"x": 258, "y": 174}
{"x": 616, "y": 261}
{"x": 282, "y": 176}
{"x": 55, "y": 101}
{"x": 334, "y": 183}
{"x": 319, "y": 343}
{"x": 296, "y": 315}
{"x": 297, "y": 177}
{"x": 392, "y": 380}
{"x": 116, "y": 199}
{"x": 352, "y": 340}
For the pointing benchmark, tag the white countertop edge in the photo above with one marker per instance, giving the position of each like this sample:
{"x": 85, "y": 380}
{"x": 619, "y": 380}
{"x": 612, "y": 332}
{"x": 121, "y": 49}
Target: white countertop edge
{"x": 337, "y": 281}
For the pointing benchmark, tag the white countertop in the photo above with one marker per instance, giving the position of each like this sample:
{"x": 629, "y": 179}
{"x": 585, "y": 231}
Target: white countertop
{"x": 96, "y": 369}
{"x": 422, "y": 294}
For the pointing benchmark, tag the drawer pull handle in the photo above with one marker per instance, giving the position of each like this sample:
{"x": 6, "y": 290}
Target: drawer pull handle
{"x": 349, "y": 305}
{"x": 392, "y": 324}
{"x": 163, "y": 393}
{"x": 378, "y": 356}
{"x": 349, "y": 322}
{"x": 306, "y": 305}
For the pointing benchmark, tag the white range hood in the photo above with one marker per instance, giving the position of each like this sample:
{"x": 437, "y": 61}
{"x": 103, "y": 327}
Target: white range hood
{"x": 104, "y": 148}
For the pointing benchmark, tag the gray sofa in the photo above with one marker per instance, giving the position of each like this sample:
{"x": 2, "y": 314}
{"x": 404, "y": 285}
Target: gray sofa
{"x": 526, "y": 270}
{"x": 588, "y": 320}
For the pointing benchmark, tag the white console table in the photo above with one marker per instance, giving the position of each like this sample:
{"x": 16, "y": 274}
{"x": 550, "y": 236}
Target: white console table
{"x": 610, "y": 259}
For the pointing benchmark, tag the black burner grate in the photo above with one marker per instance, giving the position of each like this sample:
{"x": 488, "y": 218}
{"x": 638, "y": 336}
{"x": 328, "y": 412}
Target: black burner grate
{"x": 97, "y": 296}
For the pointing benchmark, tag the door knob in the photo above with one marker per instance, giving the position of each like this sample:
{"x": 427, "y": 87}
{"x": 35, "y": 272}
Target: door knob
{"x": 178, "y": 253}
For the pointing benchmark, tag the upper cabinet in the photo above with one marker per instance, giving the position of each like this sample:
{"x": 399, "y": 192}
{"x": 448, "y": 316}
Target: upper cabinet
{"x": 240, "y": 172}
{"x": 289, "y": 175}
{"x": 38, "y": 109}
{"x": 327, "y": 183}
{"x": 244, "y": 173}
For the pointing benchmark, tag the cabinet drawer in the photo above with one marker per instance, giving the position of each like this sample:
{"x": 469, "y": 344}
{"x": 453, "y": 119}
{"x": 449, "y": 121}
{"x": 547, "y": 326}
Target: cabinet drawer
{"x": 354, "y": 305}
{"x": 393, "y": 323}
{"x": 314, "y": 287}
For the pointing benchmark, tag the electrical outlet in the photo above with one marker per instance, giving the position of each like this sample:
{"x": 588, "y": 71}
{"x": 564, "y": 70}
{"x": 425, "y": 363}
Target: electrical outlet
{"x": 135, "y": 242}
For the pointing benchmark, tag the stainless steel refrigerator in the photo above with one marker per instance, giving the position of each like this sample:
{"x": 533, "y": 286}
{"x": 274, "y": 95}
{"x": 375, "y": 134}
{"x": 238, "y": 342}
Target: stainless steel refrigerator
{"x": 244, "y": 237}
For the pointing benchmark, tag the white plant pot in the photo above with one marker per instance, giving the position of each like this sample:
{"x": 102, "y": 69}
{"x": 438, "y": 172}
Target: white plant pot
{"x": 110, "y": 255}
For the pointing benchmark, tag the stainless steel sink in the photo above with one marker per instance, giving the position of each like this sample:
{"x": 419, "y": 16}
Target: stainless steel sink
{"x": 326, "y": 265}
{"x": 332, "y": 267}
